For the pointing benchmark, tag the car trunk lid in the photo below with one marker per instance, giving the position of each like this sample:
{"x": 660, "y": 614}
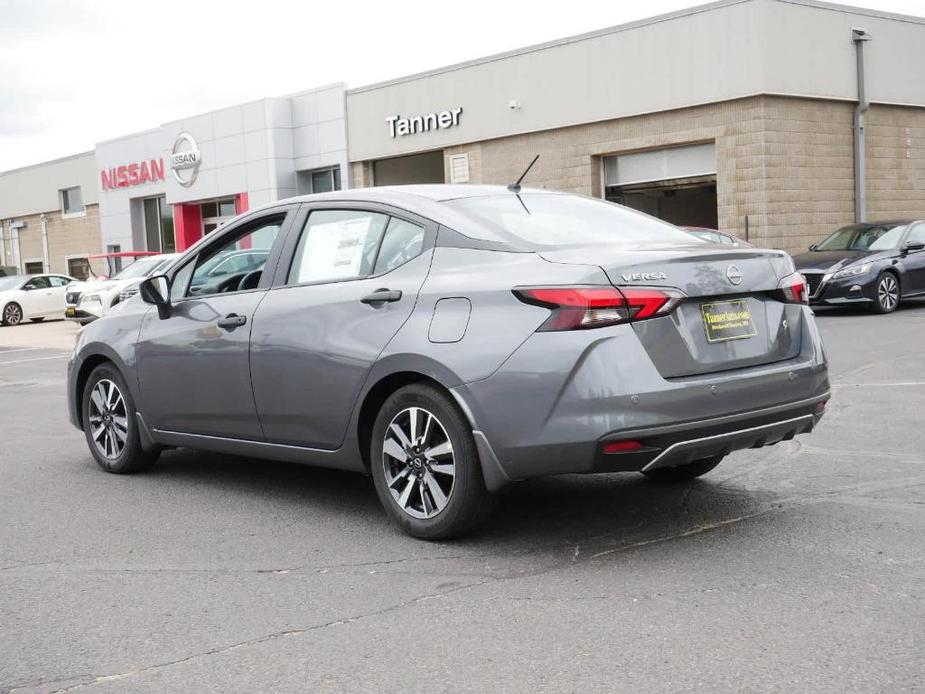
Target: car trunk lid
{"x": 733, "y": 316}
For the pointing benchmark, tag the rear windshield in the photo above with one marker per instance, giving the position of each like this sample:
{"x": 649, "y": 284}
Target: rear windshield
{"x": 567, "y": 220}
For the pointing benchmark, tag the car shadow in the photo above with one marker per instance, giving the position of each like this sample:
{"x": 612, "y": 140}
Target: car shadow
{"x": 552, "y": 513}
{"x": 912, "y": 304}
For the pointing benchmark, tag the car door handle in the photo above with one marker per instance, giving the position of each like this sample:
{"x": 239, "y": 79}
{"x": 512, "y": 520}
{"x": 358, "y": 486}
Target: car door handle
{"x": 381, "y": 295}
{"x": 231, "y": 321}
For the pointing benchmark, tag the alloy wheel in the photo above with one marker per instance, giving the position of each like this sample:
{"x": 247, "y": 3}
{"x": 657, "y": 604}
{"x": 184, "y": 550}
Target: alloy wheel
{"x": 419, "y": 463}
{"x": 12, "y": 314}
{"x": 108, "y": 419}
{"x": 888, "y": 292}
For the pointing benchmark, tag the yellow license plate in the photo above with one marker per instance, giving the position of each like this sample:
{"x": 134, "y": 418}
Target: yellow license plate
{"x": 727, "y": 320}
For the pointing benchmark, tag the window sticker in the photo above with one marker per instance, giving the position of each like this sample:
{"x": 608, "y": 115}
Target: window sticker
{"x": 334, "y": 250}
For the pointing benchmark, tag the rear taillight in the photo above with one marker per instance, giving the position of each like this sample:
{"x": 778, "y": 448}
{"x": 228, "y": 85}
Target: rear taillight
{"x": 579, "y": 308}
{"x": 793, "y": 289}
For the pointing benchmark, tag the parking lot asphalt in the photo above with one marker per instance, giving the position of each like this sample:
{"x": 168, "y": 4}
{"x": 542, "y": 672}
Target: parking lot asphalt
{"x": 798, "y": 567}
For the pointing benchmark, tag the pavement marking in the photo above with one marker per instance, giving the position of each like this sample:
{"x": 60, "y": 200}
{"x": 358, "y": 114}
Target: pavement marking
{"x": 23, "y": 361}
{"x": 4, "y": 350}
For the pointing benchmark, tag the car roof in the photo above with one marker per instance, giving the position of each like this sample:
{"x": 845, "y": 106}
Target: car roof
{"x": 426, "y": 201}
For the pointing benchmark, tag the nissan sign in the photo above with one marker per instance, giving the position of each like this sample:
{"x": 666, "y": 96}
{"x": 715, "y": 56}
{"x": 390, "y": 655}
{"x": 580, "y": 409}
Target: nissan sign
{"x": 185, "y": 159}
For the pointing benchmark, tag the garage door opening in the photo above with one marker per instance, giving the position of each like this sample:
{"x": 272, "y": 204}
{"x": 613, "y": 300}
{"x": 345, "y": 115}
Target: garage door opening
{"x": 677, "y": 184}
{"x": 416, "y": 168}
{"x": 685, "y": 202}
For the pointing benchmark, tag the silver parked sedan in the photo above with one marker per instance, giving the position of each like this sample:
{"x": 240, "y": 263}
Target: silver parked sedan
{"x": 450, "y": 341}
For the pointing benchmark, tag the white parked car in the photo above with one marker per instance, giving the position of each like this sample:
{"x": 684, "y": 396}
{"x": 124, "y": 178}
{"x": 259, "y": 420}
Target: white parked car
{"x": 32, "y": 297}
{"x": 87, "y": 301}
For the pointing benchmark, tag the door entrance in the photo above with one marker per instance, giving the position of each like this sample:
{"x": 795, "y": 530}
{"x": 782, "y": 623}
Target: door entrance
{"x": 215, "y": 213}
{"x": 416, "y": 168}
{"x": 684, "y": 202}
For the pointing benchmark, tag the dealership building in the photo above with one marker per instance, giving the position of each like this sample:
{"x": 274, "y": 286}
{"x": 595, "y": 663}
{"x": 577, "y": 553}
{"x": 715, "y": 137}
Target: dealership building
{"x": 741, "y": 115}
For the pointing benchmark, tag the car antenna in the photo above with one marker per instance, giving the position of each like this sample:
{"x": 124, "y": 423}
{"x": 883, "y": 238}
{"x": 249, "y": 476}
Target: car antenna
{"x": 515, "y": 187}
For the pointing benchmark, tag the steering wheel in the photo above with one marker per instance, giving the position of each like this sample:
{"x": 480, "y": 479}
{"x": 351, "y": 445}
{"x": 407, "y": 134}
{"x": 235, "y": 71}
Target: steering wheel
{"x": 250, "y": 280}
{"x": 230, "y": 284}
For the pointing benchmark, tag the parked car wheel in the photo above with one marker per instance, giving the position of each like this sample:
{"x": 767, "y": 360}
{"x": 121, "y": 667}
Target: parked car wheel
{"x": 425, "y": 465}
{"x": 888, "y": 293}
{"x": 684, "y": 473}
{"x": 12, "y": 314}
{"x": 110, "y": 425}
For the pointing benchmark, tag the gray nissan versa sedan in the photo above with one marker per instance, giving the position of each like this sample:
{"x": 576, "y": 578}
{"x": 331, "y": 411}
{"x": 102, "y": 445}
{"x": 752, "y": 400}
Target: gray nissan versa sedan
{"x": 452, "y": 340}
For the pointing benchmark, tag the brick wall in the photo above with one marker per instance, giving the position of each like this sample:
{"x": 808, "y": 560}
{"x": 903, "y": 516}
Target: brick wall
{"x": 68, "y": 236}
{"x": 786, "y": 163}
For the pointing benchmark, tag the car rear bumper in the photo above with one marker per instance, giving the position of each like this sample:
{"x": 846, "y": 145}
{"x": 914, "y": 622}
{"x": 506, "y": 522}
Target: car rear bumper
{"x": 555, "y": 402}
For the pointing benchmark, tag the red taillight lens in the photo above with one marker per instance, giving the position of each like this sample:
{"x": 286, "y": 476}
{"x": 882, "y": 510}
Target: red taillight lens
{"x": 621, "y": 447}
{"x": 794, "y": 290}
{"x": 578, "y": 308}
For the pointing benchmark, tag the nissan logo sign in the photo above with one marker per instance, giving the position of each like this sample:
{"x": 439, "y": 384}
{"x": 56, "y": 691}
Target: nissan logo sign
{"x": 734, "y": 275}
{"x": 185, "y": 159}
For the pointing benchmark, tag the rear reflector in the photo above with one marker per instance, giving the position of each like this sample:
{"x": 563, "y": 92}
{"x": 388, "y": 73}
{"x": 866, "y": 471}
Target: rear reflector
{"x": 579, "y": 308}
{"x": 622, "y": 446}
{"x": 820, "y": 406}
{"x": 793, "y": 289}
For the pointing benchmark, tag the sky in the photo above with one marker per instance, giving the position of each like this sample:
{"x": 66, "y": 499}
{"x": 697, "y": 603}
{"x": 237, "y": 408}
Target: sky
{"x": 76, "y": 72}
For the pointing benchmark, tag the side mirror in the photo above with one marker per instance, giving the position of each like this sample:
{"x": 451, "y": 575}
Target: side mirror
{"x": 914, "y": 246}
{"x": 156, "y": 290}
{"x": 812, "y": 247}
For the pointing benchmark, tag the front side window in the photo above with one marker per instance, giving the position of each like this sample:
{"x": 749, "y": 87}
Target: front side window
{"x": 555, "y": 220}
{"x": 71, "y": 201}
{"x": 337, "y": 245}
{"x": 254, "y": 243}
{"x": 37, "y": 283}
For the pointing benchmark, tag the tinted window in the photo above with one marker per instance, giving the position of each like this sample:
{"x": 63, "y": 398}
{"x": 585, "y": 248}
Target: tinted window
{"x": 917, "y": 235}
{"x": 853, "y": 238}
{"x": 403, "y": 241}
{"x": 565, "y": 220}
{"x": 337, "y": 245}
{"x": 38, "y": 283}
{"x": 257, "y": 241}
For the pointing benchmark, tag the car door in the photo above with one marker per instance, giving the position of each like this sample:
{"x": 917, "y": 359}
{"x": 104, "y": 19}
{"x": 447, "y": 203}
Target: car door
{"x": 38, "y": 299}
{"x": 193, "y": 368}
{"x": 347, "y": 282}
{"x": 914, "y": 261}
{"x": 58, "y": 289}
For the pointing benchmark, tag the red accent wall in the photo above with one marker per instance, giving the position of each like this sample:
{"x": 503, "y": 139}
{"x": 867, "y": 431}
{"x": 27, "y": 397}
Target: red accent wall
{"x": 187, "y": 224}
{"x": 241, "y": 203}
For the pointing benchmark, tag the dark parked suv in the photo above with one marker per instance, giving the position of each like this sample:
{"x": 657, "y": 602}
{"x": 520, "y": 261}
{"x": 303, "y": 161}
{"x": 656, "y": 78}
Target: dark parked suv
{"x": 450, "y": 341}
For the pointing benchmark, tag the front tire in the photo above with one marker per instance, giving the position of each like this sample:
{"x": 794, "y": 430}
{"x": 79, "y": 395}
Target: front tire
{"x": 110, "y": 425}
{"x": 12, "y": 314}
{"x": 888, "y": 293}
{"x": 425, "y": 465}
{"x": 683, "y": 473}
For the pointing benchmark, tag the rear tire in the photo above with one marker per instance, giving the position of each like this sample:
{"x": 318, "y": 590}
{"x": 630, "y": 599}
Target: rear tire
{"x": 425, "y": 465}
{"x": 12, "y": 314}
{"x": 888, "y": 293}
{"x": 110, "y": 425}
{"x": 683, "y": 473}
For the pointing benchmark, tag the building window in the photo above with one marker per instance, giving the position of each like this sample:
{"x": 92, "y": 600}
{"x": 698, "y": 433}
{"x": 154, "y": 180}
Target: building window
{"x": 215, "y": 213}
{"x": 318, "y": 181}
{"x": 34, "y": 267}
{"x": 71, "y": 201}
{"x": 159, "y": 231}
{"x": 78, "y": 268}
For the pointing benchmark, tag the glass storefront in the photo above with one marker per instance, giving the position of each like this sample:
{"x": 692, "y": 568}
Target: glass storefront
{"x": 159, "y": 227}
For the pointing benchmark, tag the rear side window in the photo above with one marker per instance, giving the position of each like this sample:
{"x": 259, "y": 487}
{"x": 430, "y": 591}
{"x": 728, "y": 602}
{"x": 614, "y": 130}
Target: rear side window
{"x": 337, "y": 245}
{"x": 564, "y": 220}
{"x": 403, "y": 241}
